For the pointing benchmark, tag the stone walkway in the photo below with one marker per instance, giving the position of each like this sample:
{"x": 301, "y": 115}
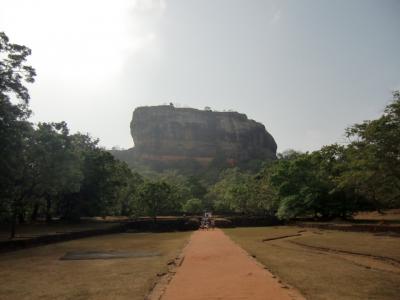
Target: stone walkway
{"x": 214, "y": 267}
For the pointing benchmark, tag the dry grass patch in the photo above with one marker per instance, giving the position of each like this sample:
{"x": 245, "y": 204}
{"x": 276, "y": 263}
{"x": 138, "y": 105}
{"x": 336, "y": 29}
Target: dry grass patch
{"x": 358, "y": 242}
{"x": 38, "y": 273}
{"x": 322, "y": 274}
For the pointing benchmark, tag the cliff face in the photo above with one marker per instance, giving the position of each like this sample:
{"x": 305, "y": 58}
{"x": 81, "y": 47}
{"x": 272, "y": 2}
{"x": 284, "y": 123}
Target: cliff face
{"x": 166, "y": 133}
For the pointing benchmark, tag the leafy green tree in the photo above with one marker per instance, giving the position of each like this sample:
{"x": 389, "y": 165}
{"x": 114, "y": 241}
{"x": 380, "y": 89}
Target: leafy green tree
{"x": 295, "y": 182}
{"x": 156, "y": 197}
{"x": 333, "y": 161}
{"x": 194, "y": 206}
{"x": 131, "y": 204}
{"x": 373, "y": 158}
{"x": 309, "y": 188}
{"x": 220, "y": 193}
{"x": 15, "y": 130}
{"x": 266, "y": 196}
{"x": 289, "y": 154}
{"x": 16, "y": 175}
{"x": 57, "y": 163}
{"x": 306, "y": 185}
{"x": 104, "y": 184}
{"x": 180, "y": 189}
{"x": 242, "y": 192}
{"x": 196, "y": 188}
{"x": 13, "y": 70}
{"x": 103, "y": 177}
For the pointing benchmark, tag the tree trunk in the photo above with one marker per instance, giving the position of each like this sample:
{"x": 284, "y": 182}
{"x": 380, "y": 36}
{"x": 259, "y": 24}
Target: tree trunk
{"x": 16, "y": 209}
{"x": 35, "y": 211}
{"x": 48, "y": 209}
{"x": 21, "y": 217}
{"x": 13, "y": 224}
{"x": 377, "y": 204}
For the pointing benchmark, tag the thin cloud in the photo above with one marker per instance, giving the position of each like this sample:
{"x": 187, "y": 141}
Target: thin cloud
{"x": 276, "y": 17}
{"x": 149, "y": 6}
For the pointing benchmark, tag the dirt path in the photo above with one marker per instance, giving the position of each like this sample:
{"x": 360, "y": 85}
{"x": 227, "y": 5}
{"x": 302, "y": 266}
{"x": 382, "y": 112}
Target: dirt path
{"x": 214, "y": 267}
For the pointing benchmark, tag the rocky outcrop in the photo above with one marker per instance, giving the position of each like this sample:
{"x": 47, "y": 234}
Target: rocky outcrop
{"x": 167, "y": 133}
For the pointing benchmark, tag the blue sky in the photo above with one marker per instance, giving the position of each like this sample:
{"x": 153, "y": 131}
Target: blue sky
{"x": 305, "y": 69}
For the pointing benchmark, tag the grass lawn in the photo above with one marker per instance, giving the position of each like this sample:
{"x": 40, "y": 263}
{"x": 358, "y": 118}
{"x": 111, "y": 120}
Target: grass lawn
{"x": 38, "y": 273}
{"x": 326, "y": 274}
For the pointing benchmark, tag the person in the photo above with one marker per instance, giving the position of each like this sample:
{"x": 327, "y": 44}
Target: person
{"x": 212, "y": 223}
{"x": 207, "y": 224}
{"x": 202, "y": 224}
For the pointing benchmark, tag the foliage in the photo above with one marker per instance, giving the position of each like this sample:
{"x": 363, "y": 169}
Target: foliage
{"x": 374, "y": 158}
{"x": 156, "y": 198}
{"x": 193, "y": 205}
{"x": 45, "y": 171}
{"x": 334, "y": 181}
{"x": 130, "y": 204}
{"x": 56, "y": 164}
{"x": 13, "y": 70}
{"x": 15, "y": 130}
{"x": 306, "y": 185}
{"x": 240, "y": 192}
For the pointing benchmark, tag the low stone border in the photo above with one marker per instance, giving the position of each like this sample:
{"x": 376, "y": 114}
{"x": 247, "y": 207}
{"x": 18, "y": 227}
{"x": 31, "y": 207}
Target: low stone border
{"x": 352, "y": 227}
{"x": 141, "y": 225}
{"x": 12, "y": 245}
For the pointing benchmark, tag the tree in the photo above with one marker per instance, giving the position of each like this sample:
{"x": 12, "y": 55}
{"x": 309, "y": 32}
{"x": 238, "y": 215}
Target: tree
{"x": 266, "y": 195}
{"x": 294, "y": 180}
{"x": 194, "y": 206}
{"x": 239, "y": 192}
{"x": 107, "y": 186}
{"x": 58, "y": 164}
{"x": 16, "y": 172}
{"x": 306, "y": 186}
{"x": 309, "y": 184}
{"x": 103, "y": 177}
{"x": 15, "y": 130}
{"x": 374, "y": 158}
{"x": 131, "y": 204}
{"x": 155, "y": 197}
{"x": 13, "y": 70}
{"x": 180, "y": 189}
{"x": 196, "y": 188}
{"x": 289, "y": 154}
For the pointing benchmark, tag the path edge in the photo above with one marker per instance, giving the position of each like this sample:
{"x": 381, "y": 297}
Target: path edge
{"x": 159, "y": 287}
{"x": 293, "y": 292}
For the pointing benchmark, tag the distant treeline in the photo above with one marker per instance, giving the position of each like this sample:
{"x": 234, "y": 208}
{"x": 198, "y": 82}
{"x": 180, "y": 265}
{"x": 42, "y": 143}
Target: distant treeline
{"x": 47, "y": 173}
{"x": 335, "y": 181}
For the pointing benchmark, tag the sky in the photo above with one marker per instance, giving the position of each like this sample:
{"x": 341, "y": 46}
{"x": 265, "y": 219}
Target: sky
{"x": 305, "y": 69}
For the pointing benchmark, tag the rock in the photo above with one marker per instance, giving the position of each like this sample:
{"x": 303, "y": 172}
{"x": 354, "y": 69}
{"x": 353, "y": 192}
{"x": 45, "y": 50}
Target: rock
{"x": 166, "y": 133}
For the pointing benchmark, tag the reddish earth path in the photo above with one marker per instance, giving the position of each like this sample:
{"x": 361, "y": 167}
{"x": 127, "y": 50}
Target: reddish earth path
{"x": 214, "y": 267}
